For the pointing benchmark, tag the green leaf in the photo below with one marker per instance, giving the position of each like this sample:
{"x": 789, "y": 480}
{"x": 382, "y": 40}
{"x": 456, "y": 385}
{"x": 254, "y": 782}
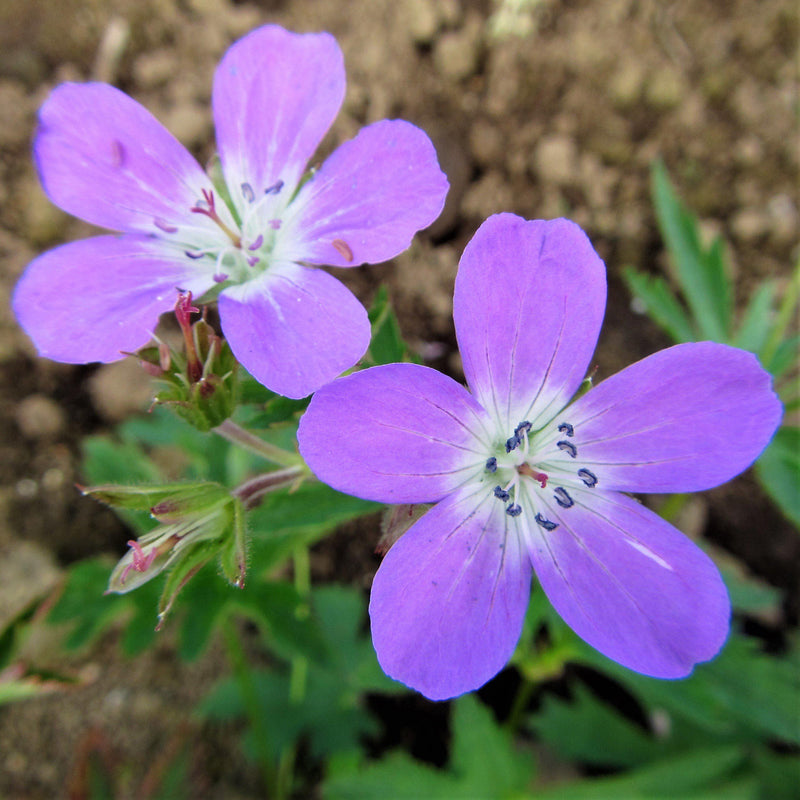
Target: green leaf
{"x": 386, "y": 345}
{"x": 661, "y": 304}
{"x": 484, "y": 757}
{"x": 90, "y": 611}
{"x": 484, "y": 764}
{"x": 785, "y": 356}
{"x": 397, "y": 776}
{"x": 287, "y": 519}
{"x": 742, "y": 695}
{"x": 701, "y": 275}
{"x": 778, "y": 471}
{"x": 680, "y": 777}
{"x": 590, "y": 731}
{"x": 757, "y": 320}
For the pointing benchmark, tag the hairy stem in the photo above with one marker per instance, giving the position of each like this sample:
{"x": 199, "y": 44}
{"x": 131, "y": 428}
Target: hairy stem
{"x": 238, "y": 435}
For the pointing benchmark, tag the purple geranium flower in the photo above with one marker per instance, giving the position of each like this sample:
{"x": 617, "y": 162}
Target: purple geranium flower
{"x": 253, "y": 243}
{"x": 525, "y": 482}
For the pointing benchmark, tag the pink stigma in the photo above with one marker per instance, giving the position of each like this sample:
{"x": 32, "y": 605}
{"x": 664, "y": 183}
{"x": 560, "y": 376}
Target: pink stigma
{"x": 140, "y": 561}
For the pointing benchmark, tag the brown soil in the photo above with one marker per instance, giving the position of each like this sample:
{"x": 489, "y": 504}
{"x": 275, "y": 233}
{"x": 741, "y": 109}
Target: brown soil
{"x": 564, "y": 120}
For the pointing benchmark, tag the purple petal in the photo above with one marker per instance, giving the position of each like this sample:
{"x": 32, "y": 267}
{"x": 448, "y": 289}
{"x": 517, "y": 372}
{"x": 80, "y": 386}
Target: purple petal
{"x": 631, "y": 585}
{"x": 449, "y": 599}
{"x": 88, "y": 300}
{"x": 368, "y": 199}
{"x": 684, "y": 419}
{"x": 529, "y": 302}
{"x": 106, "y": 159}
{"x": 295, "y": 329}
{"x": 399, "y": 433}
{"x": 275, "y": 96}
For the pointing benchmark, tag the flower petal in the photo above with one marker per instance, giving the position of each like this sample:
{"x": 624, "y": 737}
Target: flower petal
{"x": 529, "y": 302}
{"x": 630, "y": 584}
{"x": 106, "y": 159}
{"x": 275, "y": 95}
{"x": 685, "y": 419}
{"x": 369, "y": 198}
{"x": 88, "y": 300}
{"x": 449, "y": 599}
{"x": 295, "y": 329}
{"x": 399, "y": 433}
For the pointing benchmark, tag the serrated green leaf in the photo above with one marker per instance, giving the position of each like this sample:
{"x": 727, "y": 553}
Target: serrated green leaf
{"x": 84, "y": 604}
{"x": 590, "y": 731}
{"x": 661, "y": 304}
{"x": 397, "y": 776}
{"x": 483, "y": 755}
{"x": 684, "y": 776}
{"x": 386, "y": 345}
{"x": 701, "y": 275}
{"x": 742, "y": 695}
{"x": 778, "y": 471}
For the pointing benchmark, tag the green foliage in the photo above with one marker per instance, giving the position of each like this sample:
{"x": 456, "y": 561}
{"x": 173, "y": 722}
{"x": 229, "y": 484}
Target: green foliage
{"x": 704, "y": 310}
{"x": 327, "y": 709}
{"x": 484, "y": 764}
{"x": 387, "y": 345}
{"x": 778, "y": 469}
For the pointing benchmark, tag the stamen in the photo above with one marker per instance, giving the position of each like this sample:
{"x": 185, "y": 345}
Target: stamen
{"x": 164, "y": 226}
{"x": 569, "y": 448}
{"x": 197, "y": 255}
{"x": 566, "y": 428}
{"x": 275, "y": 188}
{"x": 343, "y": 249}
{"x": 248, "y": 193}
{"x": 545, "y": 523}
{"x": 117, "y": 154}
{"x": 512, "y": 443}
{"x": 207, "y": 208}
{"x": 523, "y": 427}
{"x": 563, "y": 498}
{"x": 257, "y": 243}
{"x": 514, "y": 510}
{"x": 275, "y": 224}
{"x": 221, "y": 277}
{"x": 589, "y": 478}
{"x": 500, "y": 493}
{"x": 526, "y": 469}
{"x": 253, "y": 260}
{"x": 491, "y": 464}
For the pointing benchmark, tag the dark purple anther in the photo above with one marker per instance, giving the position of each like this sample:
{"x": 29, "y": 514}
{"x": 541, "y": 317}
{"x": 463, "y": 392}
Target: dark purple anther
{"x": 569, "y": 448}
{"x": 164, "y": 226}
{"x": 566, "y": 428}
{"x": 248, "y": 193}
{"x": 221, "y": 277}
{"x": 257, "y": 243}
{"x": 514, "y": 510}
{"x": 491, "y": 464}
{"x": 512, "y": 443}
{"x": 589, "y": 478}
{"x": 500, "y": 493}
{"x": 563, "y": 498}
{"x": 545, "y": 523}
{"x": 253, "y": 260}
{"x": 194, "y": 255}
{"x": 275, "y": 188}
{"x": 523, "y": 427}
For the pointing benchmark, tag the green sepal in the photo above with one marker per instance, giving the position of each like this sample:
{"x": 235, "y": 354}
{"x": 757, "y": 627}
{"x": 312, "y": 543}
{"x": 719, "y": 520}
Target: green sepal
{"x": 233, "y": 556}
{"x": 189, "y": 564}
